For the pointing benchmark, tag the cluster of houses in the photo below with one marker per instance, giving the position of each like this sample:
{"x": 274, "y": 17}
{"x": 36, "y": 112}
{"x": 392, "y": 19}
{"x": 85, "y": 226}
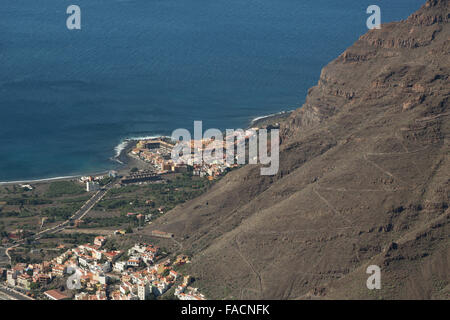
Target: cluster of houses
{"x": 210, "y": 171}
{"x": 158, "y": 154}
{"x": 23, "y": 275}
{"x": 156, "y": 159}
{"x": 90, "y": 260}
{"x": 147, "y": 278}
{"x": 202, "y": 159}
{"x": 205, "y": 160}
{"x": 92, "y": 182}
{"x": 111, "y": 174}
{"x": 99, "y": 274}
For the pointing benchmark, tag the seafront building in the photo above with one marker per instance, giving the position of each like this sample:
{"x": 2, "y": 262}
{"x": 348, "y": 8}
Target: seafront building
{"x": 157, "y": 153}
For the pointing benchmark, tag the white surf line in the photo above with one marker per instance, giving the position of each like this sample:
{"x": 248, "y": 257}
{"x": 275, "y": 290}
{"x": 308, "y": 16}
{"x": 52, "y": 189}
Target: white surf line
{"x": 270, "y": 115}
{"x": 124, "y": 143}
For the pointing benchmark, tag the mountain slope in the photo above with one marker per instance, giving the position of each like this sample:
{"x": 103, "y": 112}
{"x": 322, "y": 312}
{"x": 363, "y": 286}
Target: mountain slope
{"x": 364, "y": 179}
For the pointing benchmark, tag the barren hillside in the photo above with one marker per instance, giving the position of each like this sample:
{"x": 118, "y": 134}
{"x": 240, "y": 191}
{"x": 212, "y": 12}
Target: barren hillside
{"x": 364, "y": 179}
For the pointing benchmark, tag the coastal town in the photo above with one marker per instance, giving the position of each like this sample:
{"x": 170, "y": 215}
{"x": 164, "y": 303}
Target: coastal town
{"x": 156, "y": 157}
{"x": 90, "y": 271}
{"x": 142, "y": 272}
{"x": 226, "y": 159}
{"x": 157, "y": 153}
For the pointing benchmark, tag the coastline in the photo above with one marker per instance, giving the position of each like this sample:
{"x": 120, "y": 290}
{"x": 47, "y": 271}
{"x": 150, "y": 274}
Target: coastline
{"x": 270, "y": 118}
{"x": 124, "y": 147}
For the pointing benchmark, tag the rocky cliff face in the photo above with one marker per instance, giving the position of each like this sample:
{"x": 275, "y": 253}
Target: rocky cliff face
{"x": 364, "y": 179}
{"x": 355, "y": 75}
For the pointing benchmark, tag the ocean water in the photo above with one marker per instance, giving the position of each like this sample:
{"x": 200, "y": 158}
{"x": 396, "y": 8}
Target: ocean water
{"x": 146, "y": 67}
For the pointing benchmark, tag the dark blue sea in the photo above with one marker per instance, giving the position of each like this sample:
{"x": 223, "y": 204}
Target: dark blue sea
{"x": 141, "y": 68}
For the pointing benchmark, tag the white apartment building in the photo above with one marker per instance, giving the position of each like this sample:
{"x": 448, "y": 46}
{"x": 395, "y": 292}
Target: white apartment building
{"x": 92, "y": 186}
{"x": 143, "y": 291}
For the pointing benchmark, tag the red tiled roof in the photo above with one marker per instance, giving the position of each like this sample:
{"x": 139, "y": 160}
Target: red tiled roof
{"x": 55, "y": 295}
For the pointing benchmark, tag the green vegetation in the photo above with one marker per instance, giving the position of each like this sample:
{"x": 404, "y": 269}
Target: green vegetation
{"x": 126, "y": 189}
{"x": 169, "y": 295}
{"x": 3, "y": 233}
{"x": 9, "y": 214}
{"x": 182, "y": 188}
{"x": 27, "y": 201}
{"x": 75, "y": 238}
{"x": 147, "y": 199}
{"x": 90, "y": 222}
{"x": 112, "y": 204}
{"x": 76, "y": 199}
{"x": 58, "y": 200}
{"x": 61, "y": 188}
{"x": 105, "y": 181}
{"x": 62, "y": 212}
{"x": 34, "y": 286}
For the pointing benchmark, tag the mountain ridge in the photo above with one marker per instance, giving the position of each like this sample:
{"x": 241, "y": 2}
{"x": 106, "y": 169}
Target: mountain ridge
{"x": 363, "y": 179}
